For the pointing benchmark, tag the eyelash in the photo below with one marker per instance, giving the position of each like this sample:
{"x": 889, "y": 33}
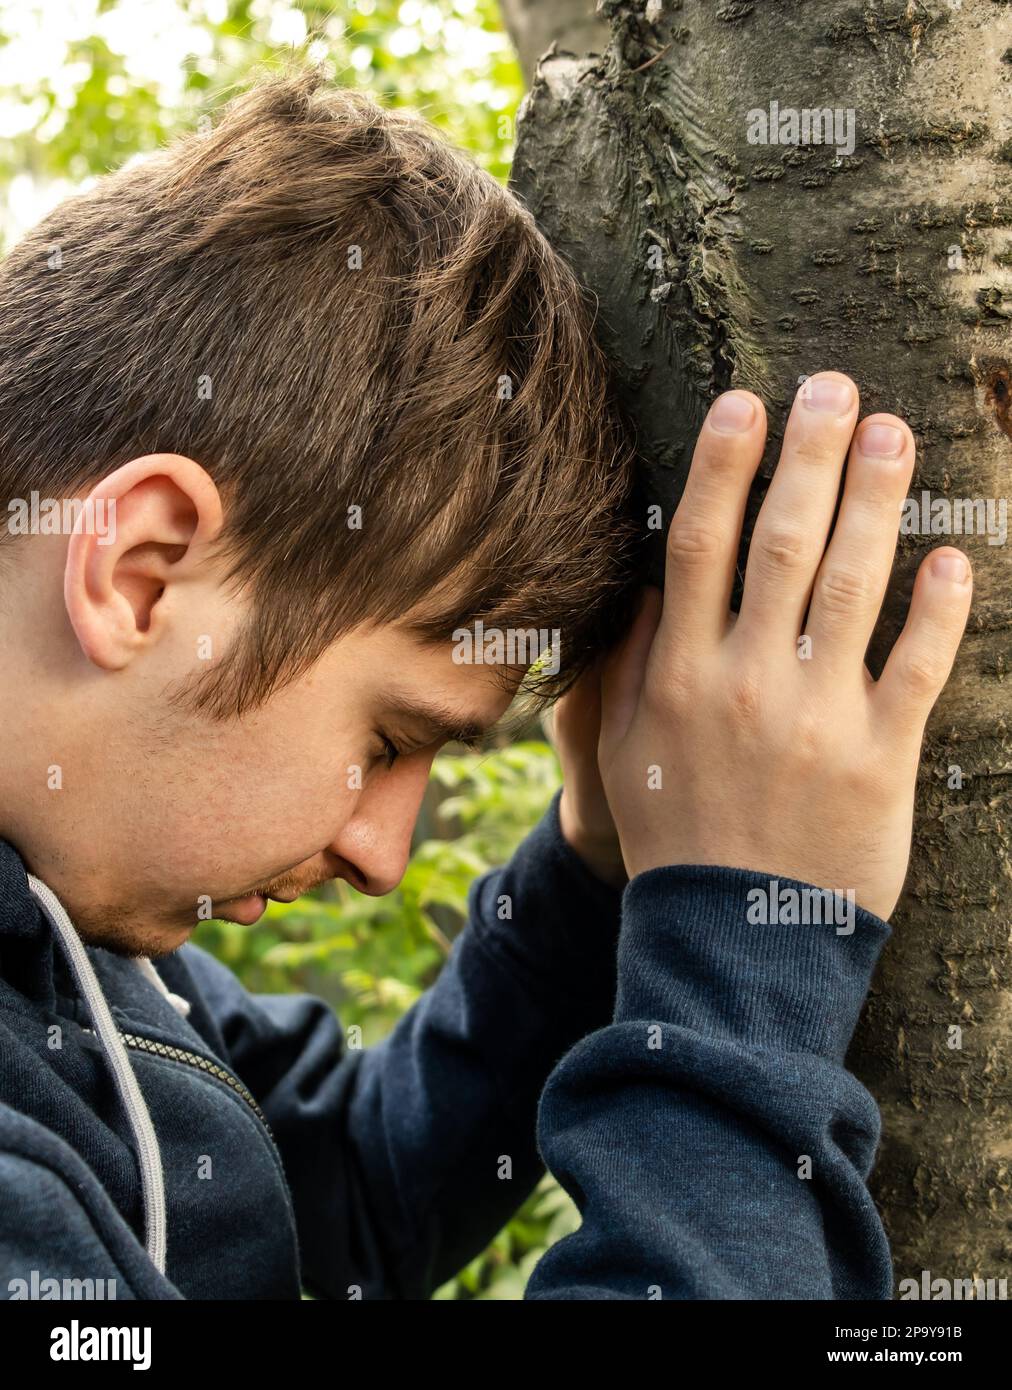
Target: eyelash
{"x": 390, "y": 752}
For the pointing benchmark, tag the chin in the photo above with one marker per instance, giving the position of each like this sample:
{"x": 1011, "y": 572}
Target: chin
{"x": 127, "y": 938}
{"x": 156, "y": 943}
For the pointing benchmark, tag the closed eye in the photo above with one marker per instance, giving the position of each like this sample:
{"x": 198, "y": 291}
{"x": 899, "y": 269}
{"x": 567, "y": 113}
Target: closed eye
{"x": 391, "y": 751}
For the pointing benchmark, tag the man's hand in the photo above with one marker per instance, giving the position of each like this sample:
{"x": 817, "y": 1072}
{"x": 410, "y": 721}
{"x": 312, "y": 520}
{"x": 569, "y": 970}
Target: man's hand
{"x": 732, "y": 741}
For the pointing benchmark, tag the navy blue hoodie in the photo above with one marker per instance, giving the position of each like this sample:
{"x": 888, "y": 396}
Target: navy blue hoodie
{"x": 678, "y": 1067}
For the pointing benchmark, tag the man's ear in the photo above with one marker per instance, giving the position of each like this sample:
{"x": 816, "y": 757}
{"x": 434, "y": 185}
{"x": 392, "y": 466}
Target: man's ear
{"x": 161, "y": 513}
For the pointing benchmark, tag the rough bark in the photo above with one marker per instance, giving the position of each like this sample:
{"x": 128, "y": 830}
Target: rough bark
{"x": 535, "y": 25}
{"x": 892, "y": 264}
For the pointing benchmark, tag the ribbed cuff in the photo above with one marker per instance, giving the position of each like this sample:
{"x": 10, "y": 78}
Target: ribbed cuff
{"x": 715, "y": 950}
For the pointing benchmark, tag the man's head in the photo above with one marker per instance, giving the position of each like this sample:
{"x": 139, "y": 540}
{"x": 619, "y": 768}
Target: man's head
{"x": 340, "y": 400}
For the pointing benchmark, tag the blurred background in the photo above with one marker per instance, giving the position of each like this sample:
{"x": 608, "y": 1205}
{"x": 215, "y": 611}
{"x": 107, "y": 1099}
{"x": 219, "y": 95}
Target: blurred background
{"x": 87, "y": 85}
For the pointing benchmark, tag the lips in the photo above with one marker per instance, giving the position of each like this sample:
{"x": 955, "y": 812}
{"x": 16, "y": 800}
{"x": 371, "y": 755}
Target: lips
{"x": 249, "y": 908}
{"x": 245, "y": 911}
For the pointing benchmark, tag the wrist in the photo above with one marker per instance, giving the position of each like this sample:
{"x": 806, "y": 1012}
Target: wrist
{"x": 598, "y": 849}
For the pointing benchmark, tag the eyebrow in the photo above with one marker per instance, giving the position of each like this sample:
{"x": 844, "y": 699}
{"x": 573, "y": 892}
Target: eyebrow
{"x": 441, "y": 721}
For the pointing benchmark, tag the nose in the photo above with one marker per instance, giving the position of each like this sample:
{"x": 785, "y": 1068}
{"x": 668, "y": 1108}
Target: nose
{"x": 373, "y": 846}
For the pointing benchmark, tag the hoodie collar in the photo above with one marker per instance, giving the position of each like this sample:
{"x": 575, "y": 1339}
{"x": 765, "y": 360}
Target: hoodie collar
{"x": 20, "y": 914}
{"x": 26, "y": 935}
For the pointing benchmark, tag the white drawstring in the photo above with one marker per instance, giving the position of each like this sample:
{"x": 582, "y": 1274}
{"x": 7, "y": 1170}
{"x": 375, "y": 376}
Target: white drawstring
{"x": 148, "y": 1153}
{"x": 181, "y": 1005}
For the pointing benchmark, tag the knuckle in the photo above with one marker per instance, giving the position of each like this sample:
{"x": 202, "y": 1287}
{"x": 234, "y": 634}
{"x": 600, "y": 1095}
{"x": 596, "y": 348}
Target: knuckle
{"x": 841, "y": 589}
{"x": 723, "y": 461}
{"x": 878, "y": 491}
{"x": 814, "y": 451}
{"x": 745, "y": 699}
{"x": 922, "y": 674}
{"x": 691, "y": 544}
{"x": 674, "y": 689}
{"x": 782, "y": 549}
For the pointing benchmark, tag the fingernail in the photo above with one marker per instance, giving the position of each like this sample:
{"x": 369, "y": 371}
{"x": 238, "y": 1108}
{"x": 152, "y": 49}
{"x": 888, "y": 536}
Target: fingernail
{"x": 951, "y": 567}
{"x": 827, "y": 394}
{"x": 881, "y": 441}
{"x": 732, "y": 413}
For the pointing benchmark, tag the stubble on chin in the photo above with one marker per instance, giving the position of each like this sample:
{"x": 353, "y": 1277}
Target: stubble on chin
{"x": 129, "y": 934}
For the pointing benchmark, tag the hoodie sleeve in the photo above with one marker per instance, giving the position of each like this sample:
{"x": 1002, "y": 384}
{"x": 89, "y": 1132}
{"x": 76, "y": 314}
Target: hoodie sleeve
{"x": 406, "y": 1158}
{"x": 711, "y": 1135}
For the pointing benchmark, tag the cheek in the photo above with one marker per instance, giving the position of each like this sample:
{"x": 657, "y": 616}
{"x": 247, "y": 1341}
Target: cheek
{"x": 266, "y": 809}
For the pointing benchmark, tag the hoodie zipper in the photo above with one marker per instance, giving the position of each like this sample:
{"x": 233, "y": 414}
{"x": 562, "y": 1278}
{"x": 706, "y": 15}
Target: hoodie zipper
{"x": 194, "y": 1059}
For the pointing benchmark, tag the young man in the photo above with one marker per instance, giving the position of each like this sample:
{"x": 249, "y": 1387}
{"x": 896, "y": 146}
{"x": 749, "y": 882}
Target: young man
{"x": 328, "y": 398}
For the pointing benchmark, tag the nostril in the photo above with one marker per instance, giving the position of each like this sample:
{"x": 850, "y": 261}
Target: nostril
{"x": 352, "y": 875}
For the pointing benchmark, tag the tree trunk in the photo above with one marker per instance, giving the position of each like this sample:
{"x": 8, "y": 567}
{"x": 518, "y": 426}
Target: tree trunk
{"x": 721, "y": 262}
{"x": 534, "y": 25}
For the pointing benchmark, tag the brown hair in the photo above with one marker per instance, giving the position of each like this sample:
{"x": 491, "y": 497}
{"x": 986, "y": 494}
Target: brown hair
{"x": 329, "y": 308}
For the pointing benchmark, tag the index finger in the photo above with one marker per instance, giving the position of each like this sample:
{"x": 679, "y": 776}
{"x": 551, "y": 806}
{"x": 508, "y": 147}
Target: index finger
{"x": 705, "y": 532}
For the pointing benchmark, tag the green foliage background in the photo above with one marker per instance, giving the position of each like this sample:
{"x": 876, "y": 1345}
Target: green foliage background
{"x": 77, "y": 99}
{"x": 97, "y": 98}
